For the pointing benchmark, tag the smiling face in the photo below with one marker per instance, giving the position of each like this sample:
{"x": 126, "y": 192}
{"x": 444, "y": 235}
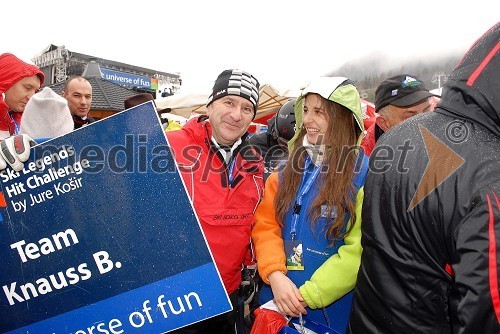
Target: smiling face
{"x": 230, "y": 118}
{"x": 315, "y": 118}
{"x": 19, "y": 94}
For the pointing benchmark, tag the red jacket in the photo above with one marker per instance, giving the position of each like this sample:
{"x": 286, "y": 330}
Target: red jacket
{"x": 370, "y": 138}
{"x": 368, "y": 142}
{"x": 12, "y": 69}
{"x": 225, "y": 210}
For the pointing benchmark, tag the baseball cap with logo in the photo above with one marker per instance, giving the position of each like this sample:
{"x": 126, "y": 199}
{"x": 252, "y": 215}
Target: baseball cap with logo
{"x": 401, "y": 91}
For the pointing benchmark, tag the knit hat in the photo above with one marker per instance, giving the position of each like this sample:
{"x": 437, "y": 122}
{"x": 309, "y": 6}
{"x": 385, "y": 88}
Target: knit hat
{"x": 46, "y": 116}
{"x": 236, "y": 82}
{"x": 401, "y": 91}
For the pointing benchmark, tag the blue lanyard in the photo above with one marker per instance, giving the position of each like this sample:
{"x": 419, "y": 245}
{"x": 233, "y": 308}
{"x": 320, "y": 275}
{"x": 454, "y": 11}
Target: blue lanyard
{"x": 16, "y": 126}
{"x": 304, "y": 188}
{"x": 230, "y": 172}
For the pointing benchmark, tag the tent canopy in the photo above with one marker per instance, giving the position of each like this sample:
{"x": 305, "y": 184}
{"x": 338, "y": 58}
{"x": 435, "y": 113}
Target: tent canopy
{"x": 270, "y": 100}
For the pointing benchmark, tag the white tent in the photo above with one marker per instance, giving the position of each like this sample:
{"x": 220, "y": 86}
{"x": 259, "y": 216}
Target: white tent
{"x": 183, "y": 105}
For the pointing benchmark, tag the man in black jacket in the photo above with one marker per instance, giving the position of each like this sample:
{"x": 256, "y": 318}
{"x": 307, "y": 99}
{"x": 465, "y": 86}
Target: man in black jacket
{"x": 78, "y": 91}
{"x": 431, "y": 214}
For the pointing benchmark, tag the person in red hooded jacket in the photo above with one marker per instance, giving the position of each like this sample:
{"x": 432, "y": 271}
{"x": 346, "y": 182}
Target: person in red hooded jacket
{"x": 18, "y": 82}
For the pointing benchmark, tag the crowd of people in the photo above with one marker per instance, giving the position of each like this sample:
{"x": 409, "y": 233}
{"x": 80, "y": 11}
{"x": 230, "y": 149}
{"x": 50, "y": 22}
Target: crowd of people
{"x": 388, "y": 229}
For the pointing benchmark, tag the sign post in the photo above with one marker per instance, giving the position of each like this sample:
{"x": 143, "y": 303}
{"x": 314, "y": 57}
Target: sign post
{"x": 97, "y": 235}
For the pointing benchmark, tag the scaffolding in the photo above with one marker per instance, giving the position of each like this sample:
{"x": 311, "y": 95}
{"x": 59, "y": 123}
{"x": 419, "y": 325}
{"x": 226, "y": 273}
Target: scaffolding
{"x": 57, "y": 58}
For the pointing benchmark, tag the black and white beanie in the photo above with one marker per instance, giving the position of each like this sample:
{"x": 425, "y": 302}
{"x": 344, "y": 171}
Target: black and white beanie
{"x": 236, "y": 82}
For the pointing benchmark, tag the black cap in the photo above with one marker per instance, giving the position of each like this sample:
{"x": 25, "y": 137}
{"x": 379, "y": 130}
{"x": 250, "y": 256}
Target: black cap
{"x": 401, "y": 91}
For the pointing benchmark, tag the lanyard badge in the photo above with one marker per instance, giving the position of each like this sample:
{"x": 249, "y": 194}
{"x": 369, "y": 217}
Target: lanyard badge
{"x": 293, "y": 247}
{"x": 294, "y": 255}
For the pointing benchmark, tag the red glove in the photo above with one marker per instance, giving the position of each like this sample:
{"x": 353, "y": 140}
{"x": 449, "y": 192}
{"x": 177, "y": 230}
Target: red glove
{"x": 267, "y": 322}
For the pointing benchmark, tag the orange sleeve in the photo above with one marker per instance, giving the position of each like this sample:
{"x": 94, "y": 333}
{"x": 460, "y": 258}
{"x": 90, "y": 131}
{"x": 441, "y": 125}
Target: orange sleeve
{"x": 266, "y": 233}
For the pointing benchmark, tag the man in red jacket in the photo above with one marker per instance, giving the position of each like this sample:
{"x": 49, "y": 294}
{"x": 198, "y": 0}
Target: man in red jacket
{"x": 224, "y": 179}
{"x": 18, "y": 82}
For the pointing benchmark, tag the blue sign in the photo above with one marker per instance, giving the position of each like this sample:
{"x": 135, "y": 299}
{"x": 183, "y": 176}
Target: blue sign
{"x": 99, "y": 236}
{"x": 122, "y": 78}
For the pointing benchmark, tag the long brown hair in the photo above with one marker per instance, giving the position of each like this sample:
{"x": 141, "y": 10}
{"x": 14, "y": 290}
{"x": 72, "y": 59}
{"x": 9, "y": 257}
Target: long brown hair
{"x": 337, "y": 191}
